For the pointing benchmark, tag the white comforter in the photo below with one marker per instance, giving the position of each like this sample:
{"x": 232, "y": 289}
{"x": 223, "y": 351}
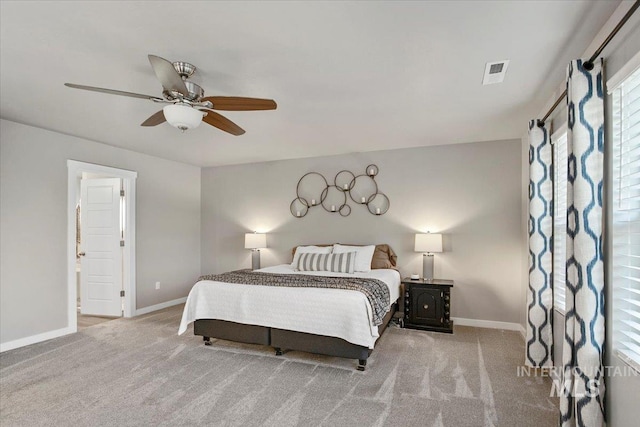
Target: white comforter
{"x": 338, "y": 313}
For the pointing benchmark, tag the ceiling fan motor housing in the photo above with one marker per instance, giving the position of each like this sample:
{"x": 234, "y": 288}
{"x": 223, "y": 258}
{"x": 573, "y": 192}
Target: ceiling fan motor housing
{"x": 185, "y": 69}
{"x": 195, "y": 93}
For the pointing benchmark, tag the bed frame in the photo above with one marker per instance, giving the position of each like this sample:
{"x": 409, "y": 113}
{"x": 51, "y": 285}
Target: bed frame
{"x": 282, "y": 339}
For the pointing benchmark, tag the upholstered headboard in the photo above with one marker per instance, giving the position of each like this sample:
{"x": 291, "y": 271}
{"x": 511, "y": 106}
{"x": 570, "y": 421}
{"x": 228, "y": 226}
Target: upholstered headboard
{"x": 383, "y": 256}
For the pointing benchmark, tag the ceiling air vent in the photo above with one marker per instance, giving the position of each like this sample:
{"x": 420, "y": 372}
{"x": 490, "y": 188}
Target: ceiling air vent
{"x": 494, "y": 72}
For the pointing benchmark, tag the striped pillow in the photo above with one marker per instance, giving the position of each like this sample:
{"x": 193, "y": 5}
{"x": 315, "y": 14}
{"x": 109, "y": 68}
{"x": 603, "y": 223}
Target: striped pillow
{"x": 337, "y": 263}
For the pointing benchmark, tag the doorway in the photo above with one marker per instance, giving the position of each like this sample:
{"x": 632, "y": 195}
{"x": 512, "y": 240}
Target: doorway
{"x": 101, "y": 236}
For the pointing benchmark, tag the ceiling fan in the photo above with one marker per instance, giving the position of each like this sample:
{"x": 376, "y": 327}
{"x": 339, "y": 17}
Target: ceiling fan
{"x": 187, "y": 104}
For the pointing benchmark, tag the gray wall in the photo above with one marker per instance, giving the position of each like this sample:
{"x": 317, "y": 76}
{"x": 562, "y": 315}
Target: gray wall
{"x": 469, "y": 192}
{"x": 33, "y": 240}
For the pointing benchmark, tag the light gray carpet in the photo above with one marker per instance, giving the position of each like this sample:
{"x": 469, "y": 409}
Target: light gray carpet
{"x": 139, "y": 372}
{"x": 86, "y": 321}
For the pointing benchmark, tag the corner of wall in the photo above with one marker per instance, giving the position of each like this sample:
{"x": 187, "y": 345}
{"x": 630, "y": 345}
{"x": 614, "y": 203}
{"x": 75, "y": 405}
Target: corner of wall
{"x": 524, "y": 231}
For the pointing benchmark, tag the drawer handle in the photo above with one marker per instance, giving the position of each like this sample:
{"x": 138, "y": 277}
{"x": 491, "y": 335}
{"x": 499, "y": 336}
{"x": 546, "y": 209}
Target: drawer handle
{"x": 426, "y": 306}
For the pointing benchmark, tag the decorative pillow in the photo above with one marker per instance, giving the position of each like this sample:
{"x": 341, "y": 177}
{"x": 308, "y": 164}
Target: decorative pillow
{"x": 364, "y": 254}
{"x": 383, "y": 257}
{"x": 309, "y": 249}
{"x": 338, "y": 263}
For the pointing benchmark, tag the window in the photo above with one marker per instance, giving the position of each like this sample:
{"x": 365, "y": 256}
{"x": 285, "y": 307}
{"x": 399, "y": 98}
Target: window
{"x": 626, "y": 219}
{"x": 559, "y": 141}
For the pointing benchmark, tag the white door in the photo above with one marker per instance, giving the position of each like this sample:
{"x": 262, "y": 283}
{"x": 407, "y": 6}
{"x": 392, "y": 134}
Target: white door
{"x": 101, "y": 264}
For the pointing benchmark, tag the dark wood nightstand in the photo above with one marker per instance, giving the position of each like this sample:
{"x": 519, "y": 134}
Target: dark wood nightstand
{"x": 427, "y": 304}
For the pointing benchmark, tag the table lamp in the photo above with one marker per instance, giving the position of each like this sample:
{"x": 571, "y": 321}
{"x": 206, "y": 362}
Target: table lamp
{"x": 255, "y": 241}
{"x": 428, "y": 244}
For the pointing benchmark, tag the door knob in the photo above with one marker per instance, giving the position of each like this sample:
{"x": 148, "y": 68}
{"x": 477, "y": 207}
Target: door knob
{"x": 81, "y": 254}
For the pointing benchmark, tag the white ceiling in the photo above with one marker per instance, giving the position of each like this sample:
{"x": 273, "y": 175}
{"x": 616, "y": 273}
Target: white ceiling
{"x": 347, "y": 76}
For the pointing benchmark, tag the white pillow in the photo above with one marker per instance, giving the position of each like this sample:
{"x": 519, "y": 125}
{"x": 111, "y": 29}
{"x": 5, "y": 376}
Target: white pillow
{"x": 364, "y": 254}
{"x": 309, "y": 250}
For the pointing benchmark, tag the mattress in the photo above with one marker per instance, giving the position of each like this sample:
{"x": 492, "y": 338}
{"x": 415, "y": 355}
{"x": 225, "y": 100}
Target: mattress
{"x": 337, "y": 313}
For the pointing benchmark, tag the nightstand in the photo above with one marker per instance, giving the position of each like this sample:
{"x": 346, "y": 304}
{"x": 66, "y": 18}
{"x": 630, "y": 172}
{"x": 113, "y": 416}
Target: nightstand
{"x": 427, "y": 304}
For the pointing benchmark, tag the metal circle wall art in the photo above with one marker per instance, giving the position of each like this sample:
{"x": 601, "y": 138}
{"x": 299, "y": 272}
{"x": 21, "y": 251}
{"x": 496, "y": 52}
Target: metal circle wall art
{"x": 345, "y": 210}
{"x": 313, "y": 190}
{"x": 363, "y": 187}
{"x": 298, "y": 207}
{"x": 344, "y": 180}
{"x": 378, "y": 204}
{"x": 333, "y": 198}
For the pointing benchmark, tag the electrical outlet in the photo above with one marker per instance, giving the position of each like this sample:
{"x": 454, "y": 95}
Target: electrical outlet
{"x": 157, "y": 285}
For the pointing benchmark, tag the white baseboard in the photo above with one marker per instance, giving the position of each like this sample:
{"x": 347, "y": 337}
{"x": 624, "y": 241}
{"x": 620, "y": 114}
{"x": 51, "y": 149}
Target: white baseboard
{"x": 491, "y": 324}
{"x": 33, "y": 339}
{"x": 160, "y": 306}
{"x": 70, "y": 330}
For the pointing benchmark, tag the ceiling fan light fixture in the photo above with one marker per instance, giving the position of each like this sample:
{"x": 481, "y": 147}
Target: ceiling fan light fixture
{"x": 182, "y": 116}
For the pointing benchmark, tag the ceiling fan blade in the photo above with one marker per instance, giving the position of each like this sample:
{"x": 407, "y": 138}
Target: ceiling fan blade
{"x": 167, "y": 74}
{"x": 237, "y": 103}
{"x": 222, "y": 123}
{"x": 155, "y": 120}
{"x": 114, "y": 92}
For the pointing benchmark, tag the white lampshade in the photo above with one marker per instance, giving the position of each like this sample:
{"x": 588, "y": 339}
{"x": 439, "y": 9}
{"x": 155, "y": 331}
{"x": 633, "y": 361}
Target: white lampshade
{"x": 182, "y": 116}
{"x": 429, "y": 242}
{"x": 255, "y": 240}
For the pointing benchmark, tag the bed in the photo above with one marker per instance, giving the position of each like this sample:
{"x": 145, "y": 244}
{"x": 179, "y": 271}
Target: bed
{"x": 334, "y": 322}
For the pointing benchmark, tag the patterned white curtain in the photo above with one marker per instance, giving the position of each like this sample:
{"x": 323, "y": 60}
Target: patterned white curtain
{"x": 582, "y": 401}
{"x": 540, "y": 293}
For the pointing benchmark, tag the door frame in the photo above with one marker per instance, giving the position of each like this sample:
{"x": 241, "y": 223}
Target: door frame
{"x": 75, "y": 169}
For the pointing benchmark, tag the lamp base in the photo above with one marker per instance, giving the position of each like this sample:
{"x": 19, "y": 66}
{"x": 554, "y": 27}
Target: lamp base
{"x": 255, "y": 259}
{"x": 427, "y": 266}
